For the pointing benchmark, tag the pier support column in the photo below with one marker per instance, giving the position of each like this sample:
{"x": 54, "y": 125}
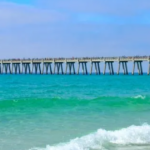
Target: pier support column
{"x": 26, "y": 68}
{"x": 71, "y": 66}
{"x": 86, "y": 71}
{"x": 29, "y": 68}
{"x": 139, "y": 67}
{"x": 32, "y": 67}
{"x": 104, "y": 68}
{"x": 0, "y": 68}
{"x": 51, "y": 72}
{"x": 54, "y": 68}
{"x": 91, "y": 67}
{"x": 22, "y": 68}
{"x": 16, "y": 68}
{"x": 47, "y": 67}
{"x": 112, "y": 68}
{"x": 126, "y": 67}
{"x": 10, "y": 71}
{"x": 109, "y": 67}
{"x": 36, "y": 68}
{"x": 133, "y": 68}
{"x": 7, "y": 68}
{"x": 123, "y": 68}
{"x": 148, "y": 68}
{"x": 84, "y": 67}
{"x": 97, "y": 67}
{"x": 78, "y": 67}
{"x": 66, "y": 68}
{"x": 74, "y": 71}
{"x": 59, "y": 67}
{"x": 118, "y": 68}
{"x": 39, "y": 66}
{"x": 42, "y": 68}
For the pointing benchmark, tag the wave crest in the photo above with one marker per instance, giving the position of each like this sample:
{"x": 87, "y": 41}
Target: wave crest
{"x": 139, "y": 96}
{"x": 99, "y": 140}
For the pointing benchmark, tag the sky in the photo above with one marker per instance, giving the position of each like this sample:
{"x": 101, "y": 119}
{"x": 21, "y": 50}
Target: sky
{"x": 74, "y": 28}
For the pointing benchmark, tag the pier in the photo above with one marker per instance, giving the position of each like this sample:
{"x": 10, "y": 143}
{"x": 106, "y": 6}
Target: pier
{"x": 73, "y": 65}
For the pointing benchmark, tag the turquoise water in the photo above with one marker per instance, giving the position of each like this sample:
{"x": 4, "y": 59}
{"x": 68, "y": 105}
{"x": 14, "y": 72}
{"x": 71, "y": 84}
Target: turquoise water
{"x": 44, "y": 112}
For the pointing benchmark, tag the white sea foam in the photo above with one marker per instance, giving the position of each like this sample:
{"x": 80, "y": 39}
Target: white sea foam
{"x": 98, "y": 141}
{"x": 139, "y": 96}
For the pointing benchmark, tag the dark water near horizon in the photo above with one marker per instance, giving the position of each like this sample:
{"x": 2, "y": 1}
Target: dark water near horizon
{"x": 44, "y": 112}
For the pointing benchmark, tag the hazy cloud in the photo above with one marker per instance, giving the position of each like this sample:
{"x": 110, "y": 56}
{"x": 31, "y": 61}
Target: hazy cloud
{"x": 66, "y": 28}
{"x": 114, "y": 7}
{"x": 15, "y": 14}
{"x": 83, "y": 40}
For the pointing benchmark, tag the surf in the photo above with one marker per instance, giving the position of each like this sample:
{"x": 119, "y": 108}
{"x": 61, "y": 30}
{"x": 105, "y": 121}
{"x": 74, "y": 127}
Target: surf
{"x": 139, "y": 97}
{"x": 102, "y": 139}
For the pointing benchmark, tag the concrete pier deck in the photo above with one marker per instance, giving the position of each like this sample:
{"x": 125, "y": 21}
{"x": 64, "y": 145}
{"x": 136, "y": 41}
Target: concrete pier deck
{"x": 56, "y": 65}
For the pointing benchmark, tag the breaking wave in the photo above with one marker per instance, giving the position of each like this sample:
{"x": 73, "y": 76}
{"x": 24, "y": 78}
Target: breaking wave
{"x": 139, "y": 96}
{"x": 102, "y": 139}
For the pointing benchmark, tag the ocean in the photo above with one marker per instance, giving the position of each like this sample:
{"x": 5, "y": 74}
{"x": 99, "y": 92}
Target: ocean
{"x": 74, "y": 112}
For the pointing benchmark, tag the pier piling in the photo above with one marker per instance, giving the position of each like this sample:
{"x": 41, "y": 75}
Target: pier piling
{"x": 84, "y": 67}
{"x": 71, "y": 66}
{"x": 139, "y": 67}
{"x": 59, "y": 67}
{"x": 26, "y": 68}
{"x": 148, "y": 68}
{"x": 104, "y": 68}
{"x": 118, "y": 67}
{"x": 97, "y": 67}
{"x": 133, "y": 68}
{"x": 124, "y": 67}
{"x": 16, "y": 68}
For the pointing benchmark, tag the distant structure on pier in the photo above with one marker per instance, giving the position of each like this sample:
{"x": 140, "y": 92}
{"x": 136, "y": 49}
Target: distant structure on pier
{"x": 55, "y": 65}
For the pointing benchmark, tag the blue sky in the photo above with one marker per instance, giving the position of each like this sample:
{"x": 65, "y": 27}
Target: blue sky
{"x": 69, "y": 28}
{"x": 26, "y": 2}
